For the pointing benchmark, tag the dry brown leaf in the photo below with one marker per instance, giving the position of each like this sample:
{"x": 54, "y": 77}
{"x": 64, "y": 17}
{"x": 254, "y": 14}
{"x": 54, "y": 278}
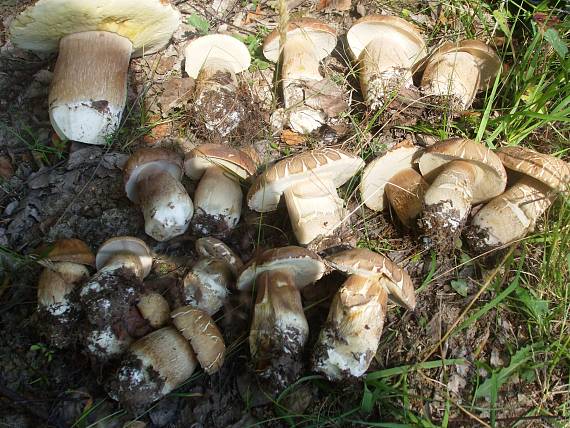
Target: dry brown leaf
{"x": 291, "y": 138}
{"x": 339, "y": 5}
{"x": 6, "y": 168}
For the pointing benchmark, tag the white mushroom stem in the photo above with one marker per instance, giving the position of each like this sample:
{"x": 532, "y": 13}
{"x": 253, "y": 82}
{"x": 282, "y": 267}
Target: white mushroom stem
{"x": 314, "y": 209}
{"x": 55, "y": 284}
{"x": 89, "y": 86}
{"x": 213, "y": 74}
{"x": 165, "y": 204}
{"x": 300, "y": 61}
{"x": 219, "y": 195}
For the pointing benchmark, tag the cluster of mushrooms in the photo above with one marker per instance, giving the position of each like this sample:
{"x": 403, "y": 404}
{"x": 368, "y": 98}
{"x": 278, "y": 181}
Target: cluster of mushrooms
{"x": 432, "y": 189}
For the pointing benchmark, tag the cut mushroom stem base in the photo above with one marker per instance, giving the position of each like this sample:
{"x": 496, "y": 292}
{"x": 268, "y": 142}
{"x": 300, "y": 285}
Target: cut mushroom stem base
{"x": 89, "y": 86}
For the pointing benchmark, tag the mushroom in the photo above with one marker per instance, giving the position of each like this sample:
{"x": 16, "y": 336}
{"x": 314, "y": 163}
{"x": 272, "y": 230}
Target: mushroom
{"x": 386, "y": 48}
{"x": 513, "y": 214}
{"x": 154, "y": 308}
{"x": 308, "y": 42}
{"x": 96, "y": 40}
{"x": 66, "y": 265}
{"x": 455, "y": 72}
{"x": 110, "y": 296}
{"x": 392, "y": 177}
{"x": 218, "y": 196}
{"x": 152, "y": 180}
{"x": 214, "y": 60}
{"x": 279, "y": 329}
{"x": 309, "y": 181}
{"x": 466, "y": 173}
{"x": 215, "y": 249}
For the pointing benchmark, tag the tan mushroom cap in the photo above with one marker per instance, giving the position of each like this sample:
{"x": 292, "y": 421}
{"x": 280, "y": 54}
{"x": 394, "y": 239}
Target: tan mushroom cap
{"x": 377, "y": 173}
{"x": 363, "y": 262}
{"x": 319, "y": 165}
{"x": 148, "y": 24}
{"x": 490, "y": 175}
{"x": 406, "y": 192}
{"x": 216, "y": 249}
{"x": 154, "y": 309}
{"x": 162, "y": 159}
{"x": 547, "y": 169}
{"x": 304, "y": 265}
{"x": 364, "y": 30}
{"x": 200, "y": 329}
{"x": 218, "y": 48}
{"x": 124, "y": 245}
{"x": 321, "y": 36}
{"x": 70, "y": 250}
{"x": 198, "y": 160}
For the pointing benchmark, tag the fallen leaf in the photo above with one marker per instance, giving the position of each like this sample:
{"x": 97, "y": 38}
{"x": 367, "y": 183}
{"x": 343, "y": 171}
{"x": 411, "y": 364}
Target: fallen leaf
{"x": 291, "y": 138}
{"x": 6, "y": 168}
{"x": 252, "y": 16}
{"x": 330, "y": 5}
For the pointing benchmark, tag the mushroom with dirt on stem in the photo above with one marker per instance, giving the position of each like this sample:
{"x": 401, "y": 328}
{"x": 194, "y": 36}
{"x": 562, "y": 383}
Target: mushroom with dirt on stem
{"x": 214, "y": 60}
{"x": 309, "y": 181}
{"x": 218, "y": 197}
{"x": 95, "y": 39}
{"x": 513, "y": 214}
{"x": 386, "y": 48}
{"x": 152, "y": 180}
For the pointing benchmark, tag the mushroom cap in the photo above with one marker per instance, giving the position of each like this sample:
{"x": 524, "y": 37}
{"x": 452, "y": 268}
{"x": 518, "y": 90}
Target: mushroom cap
{"x": 70, "y": 250}
{"x": 363, "y": 262}
{"x": 154, "y": 309}
{"x": 124, "y": 245}
{"x": 319, "y": 165}
{"x": 218, "y": 48}
{"x": 304, "y": 265}
{"x": 370, "y": 27}
{"x": 207, "y": 155}
{"x": 378, "y": 173}
{"x": 216, "y": 249}
{"x": 490, "y": 177}
{"x": 148, "y": 24}
{"x": 318, "y": 34}
{"x": 162, "y": 159}
{"x": 201, "y": 331}
{"x": 547, "y": 169}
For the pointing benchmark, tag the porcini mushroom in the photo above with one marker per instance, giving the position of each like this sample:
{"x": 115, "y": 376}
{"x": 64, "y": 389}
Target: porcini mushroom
{"x": 218, "y": 197}
{"x": 513, "y": 214}
{"x": 279, "y": 328}
{"x": 154, "y": 308}
{"x": 66, "y": 265}
{"x": 152, "y": 180}
{"x": 392, "y": 177}
{"x": 466, "y": 173}
{"x": 455, "y": 72}
{"x": 215, "y": 249}
{"x": 309, "y": 181}
{"x": 386, "y": 48}
{"x": 96, "y": 39}
{"x": 214, "y": 60}
{"x": 308, "y": 42}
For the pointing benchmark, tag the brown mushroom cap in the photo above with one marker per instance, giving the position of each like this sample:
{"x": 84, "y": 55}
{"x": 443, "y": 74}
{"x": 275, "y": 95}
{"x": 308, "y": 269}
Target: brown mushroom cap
{"x": 124, "y": 245}
{"x": 70, "y": 250}
{"x": 319, "y": 35}
{"x": 319, "y": 165}
{"x": 549, "y": 170}
{"x": 148, "y": 24}
{"x": 216, "y": 249}
{"x": 162, "y": 159}
{"x": 363, "y": 262}
{"x": 406, "y": 191}
{"x": 154, "y": 309}
{"x": 207, "y": 155}
{"x": 304, "y": 265}
{"x": 490, "y": 175}
{"x": 200, "y": 329}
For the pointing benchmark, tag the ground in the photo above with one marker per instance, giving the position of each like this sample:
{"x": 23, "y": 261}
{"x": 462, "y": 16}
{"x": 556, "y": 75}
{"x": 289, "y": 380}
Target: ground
{"x": 488, "y": 344}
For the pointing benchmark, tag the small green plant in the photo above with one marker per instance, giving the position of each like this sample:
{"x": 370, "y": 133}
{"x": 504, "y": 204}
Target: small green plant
{"x": 199, "y": 23}
{"x": 43, "y": 350}
{"x": 254, "y": 43}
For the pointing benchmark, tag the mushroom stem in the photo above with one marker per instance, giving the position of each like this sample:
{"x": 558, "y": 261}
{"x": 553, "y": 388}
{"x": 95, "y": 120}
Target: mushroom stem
{"x": 314, "y": 209}
{"x": 219, "y": 196}
{"x": 300, "y": 61}
{"x": 166, "y": 206}
{"x": 405, "y": 192}
{"x": 89, "y": 86}
{"x": 215, "y": 74}
{"x": 124, "y": 261}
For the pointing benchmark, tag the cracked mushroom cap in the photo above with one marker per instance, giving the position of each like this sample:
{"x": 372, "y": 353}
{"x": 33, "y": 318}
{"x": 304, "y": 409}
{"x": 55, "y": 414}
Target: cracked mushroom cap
{"x": 370, "y": 27}
{"x": 201, "y": 331}
{"x": 319, "y": 165}
{"x": 217, "y": 48}
{"x": 124, "y": 245}
{"x": 70, "y": 250}
{"x": 148, "y": 24}
{"x": 549, "y": 170}
{"x": 215, "y": 249}
{"x": 378, "y": 173}
{"x": 320, "y": 36}
{"x": 304, "y": 265}
{"x": 161, "y": 159}
{"x": 363, "y": 262}
{"x": 490, "y": 175}
{"x": 198, "y": 160}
